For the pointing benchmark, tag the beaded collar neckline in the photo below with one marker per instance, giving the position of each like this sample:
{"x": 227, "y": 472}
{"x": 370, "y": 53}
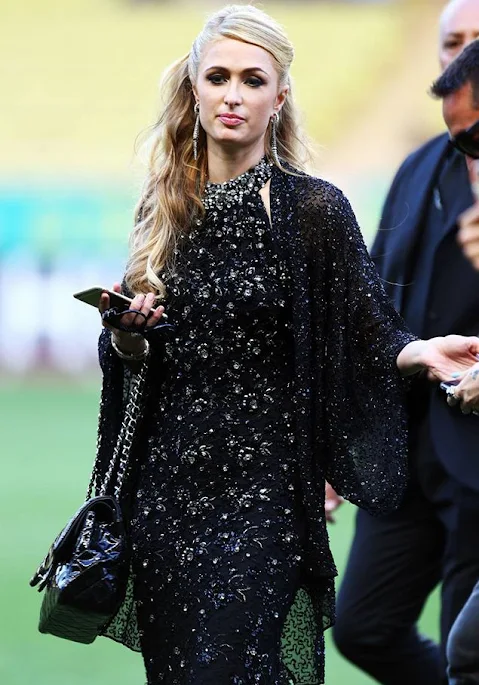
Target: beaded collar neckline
{"x": 219, "y": 195}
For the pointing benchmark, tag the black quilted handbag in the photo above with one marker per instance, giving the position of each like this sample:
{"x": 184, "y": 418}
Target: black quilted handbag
{"x": 85, "y": 573}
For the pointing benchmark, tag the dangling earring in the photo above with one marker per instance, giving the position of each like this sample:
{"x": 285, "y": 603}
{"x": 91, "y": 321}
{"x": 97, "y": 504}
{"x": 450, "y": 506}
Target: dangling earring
{"x": 196, "y": 131}
{"x": 274, "y": 138}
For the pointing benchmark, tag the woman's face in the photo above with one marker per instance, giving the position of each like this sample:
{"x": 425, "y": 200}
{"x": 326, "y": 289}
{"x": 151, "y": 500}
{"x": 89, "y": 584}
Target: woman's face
{"x": 238, "y": 92}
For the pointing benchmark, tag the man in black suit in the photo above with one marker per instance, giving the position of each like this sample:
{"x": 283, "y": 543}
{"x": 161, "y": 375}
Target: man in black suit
{"x": 459, "y": 88}
{"x": 395, "y": 562}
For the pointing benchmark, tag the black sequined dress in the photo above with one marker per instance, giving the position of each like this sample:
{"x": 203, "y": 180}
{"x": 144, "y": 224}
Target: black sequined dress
{"x": 281, "y": 372}
{"x": 218, "y": 525}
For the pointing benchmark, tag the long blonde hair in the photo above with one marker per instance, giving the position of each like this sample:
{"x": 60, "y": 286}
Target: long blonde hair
{"x": 171, "y": 197}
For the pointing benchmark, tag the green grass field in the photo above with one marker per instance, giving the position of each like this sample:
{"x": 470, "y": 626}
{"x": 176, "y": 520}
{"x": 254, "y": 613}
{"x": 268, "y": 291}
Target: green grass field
{"x": 48, "y": 440}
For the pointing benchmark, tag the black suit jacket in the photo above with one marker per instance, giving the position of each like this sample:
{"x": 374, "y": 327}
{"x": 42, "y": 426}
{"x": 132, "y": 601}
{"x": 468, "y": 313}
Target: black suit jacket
{"x": 453, "y": 285}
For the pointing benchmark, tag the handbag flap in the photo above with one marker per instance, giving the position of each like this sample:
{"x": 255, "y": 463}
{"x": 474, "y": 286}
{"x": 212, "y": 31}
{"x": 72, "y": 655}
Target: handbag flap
{"x": 104, "y": 506}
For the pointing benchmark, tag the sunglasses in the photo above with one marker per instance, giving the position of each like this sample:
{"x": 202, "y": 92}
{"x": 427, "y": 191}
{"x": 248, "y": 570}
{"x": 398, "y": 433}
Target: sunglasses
{"x": 467, "y": 141}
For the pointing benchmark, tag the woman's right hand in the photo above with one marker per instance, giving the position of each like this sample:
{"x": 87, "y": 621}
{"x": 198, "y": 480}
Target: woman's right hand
{"x": 128, "y": 342}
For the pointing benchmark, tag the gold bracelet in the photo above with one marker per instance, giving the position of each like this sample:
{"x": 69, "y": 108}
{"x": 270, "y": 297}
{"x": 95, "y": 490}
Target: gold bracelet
{"x": 131, "y": 356}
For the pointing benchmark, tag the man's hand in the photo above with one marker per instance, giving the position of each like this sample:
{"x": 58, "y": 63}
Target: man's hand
{"x": 468, "y": 235}
{"x": 331, "y": 502}
{"x": 466, "y": 393}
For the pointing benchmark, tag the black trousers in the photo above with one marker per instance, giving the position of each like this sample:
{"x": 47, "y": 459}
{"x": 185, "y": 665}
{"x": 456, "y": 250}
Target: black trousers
{"x": 394, "y": 564}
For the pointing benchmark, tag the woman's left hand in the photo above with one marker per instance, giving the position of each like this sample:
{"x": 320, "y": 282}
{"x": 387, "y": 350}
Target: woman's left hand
{"x": 449, "y": 357}
{"x": 467, "y": 392}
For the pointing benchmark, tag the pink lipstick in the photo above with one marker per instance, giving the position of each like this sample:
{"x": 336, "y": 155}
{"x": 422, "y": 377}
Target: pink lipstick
{"x": 230, "y": 119}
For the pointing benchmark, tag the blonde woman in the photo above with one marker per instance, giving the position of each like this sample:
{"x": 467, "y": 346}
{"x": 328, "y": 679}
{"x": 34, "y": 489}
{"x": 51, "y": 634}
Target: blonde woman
{"x": 282, "y": 367}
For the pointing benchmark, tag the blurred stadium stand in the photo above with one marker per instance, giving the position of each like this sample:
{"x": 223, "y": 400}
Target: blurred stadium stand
{"x": 81, "y": 82}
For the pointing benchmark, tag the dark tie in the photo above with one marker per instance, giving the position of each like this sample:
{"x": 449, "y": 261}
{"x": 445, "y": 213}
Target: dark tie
{"x": 454, "y": 191}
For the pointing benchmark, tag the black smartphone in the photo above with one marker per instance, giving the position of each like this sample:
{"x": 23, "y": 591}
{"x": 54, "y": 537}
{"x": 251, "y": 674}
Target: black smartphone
{"x": 121, "y": 302}
{"x": 92, "y": 296}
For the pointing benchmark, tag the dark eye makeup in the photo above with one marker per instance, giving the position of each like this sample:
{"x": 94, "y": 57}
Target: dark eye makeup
{"x": 217, "y": 78}
{"x": 254, "y": 81}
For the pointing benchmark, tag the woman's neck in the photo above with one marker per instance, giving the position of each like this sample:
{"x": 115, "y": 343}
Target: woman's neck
{"x": 223, "y": 165}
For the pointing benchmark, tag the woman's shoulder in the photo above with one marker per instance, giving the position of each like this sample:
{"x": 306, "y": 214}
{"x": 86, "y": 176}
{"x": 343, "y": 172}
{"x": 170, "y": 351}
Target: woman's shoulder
{"x": 317, "y": 197}
{"x": 315, "y": 192}
{"x": 323, "y": 213}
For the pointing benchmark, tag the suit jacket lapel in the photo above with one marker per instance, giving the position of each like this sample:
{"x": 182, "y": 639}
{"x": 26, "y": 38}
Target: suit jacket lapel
{"x": 410, "y": 206}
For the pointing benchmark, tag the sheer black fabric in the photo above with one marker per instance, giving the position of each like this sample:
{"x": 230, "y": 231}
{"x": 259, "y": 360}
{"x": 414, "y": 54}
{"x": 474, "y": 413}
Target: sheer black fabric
{"x": 282, "y": 371}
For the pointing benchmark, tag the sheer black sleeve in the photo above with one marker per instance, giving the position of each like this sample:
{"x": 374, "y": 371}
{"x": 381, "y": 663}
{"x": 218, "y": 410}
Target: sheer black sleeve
{"x": 364, "y": 395}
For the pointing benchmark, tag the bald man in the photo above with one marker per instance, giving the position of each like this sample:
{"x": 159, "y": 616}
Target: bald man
{"x": 395, "y": 562}
{"x": 458, "y": 26}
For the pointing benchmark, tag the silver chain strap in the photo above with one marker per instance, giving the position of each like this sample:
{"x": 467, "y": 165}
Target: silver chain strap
{"x": 122, "y": 451}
